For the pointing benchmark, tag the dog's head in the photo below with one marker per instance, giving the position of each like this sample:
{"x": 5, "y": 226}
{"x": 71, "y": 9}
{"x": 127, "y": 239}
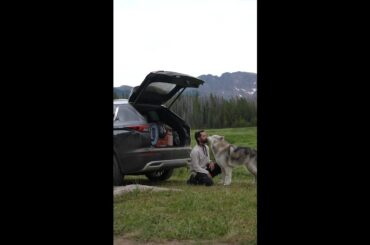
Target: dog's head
{"x": 214, "y": 139}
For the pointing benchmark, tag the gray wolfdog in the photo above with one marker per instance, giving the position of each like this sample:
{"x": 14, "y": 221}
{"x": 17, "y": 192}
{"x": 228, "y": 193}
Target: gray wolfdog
{"x": 228, "y": 156}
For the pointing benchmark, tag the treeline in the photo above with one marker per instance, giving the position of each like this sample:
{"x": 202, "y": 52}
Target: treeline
{"x": 216, "y": 112}
{"x": 121, "y": 95}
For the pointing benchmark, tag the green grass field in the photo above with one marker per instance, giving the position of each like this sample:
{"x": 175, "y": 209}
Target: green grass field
{"x": 198, "y": 214}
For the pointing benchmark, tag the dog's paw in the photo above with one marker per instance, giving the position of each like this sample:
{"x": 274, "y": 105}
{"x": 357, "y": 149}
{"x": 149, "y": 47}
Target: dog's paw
{"x": 227, "y": 180}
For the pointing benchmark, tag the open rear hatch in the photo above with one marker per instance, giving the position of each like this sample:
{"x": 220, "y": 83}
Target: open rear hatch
{"x": 154, "y": 97}
{"x": 160, "y": 86}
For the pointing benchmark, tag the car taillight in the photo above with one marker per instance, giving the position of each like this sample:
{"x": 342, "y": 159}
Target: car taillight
{"x": 140, "y": 128}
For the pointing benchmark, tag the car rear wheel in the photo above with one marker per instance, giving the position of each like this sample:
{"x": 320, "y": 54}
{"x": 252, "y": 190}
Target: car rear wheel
{"x": 160, "y": 175}
{"x": 117, "y": 176}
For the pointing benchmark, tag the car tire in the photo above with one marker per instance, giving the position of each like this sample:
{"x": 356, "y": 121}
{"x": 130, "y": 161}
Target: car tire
{"x": 160, "y": 175}
{"x": 117, "y": 175}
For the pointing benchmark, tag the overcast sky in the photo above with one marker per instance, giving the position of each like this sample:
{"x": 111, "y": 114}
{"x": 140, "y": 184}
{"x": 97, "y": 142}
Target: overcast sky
{"x": 194, "y": 37}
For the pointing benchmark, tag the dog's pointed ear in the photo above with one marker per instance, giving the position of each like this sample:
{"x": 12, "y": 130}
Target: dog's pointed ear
{"x": 222, "y": 138}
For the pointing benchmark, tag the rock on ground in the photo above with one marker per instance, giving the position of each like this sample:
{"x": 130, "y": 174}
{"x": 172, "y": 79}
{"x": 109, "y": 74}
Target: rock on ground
{"x": 129, "y": 188}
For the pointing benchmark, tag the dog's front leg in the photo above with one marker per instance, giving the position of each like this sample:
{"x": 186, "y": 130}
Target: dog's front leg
{"x": 222, "y": 175}
{"x": 228, "y": 175}
{"x": 254, "y": 179}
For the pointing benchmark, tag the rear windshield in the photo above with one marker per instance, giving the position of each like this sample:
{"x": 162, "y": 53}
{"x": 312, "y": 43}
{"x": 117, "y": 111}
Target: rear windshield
{"x": 160, "y": 87}
{"x": 128, "y": 114}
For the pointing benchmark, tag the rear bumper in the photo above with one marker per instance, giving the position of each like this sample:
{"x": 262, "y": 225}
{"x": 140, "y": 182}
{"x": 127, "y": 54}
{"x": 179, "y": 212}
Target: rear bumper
{"x": 146, "y": 160}
{"x": 175, "y": 163}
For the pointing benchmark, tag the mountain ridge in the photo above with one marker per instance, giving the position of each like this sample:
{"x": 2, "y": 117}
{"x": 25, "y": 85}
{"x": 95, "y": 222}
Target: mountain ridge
{"x": 227, "y": 85}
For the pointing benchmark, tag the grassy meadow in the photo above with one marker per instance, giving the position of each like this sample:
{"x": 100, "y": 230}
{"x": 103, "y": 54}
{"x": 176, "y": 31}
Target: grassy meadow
{"x": 196, "y": 215}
